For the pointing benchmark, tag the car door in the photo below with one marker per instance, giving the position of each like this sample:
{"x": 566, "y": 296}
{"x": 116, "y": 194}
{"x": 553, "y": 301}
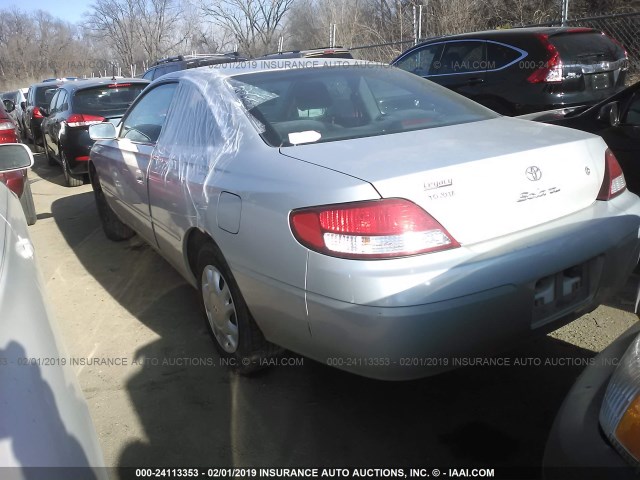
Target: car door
{"x": 178, "y": 170}
{"x": 624, "y": 140}
{"x": 461, "y": 67}
{"x": 46, "y": 122}
{"x": 55, "y": 121}
{"x": 124, "y": 162}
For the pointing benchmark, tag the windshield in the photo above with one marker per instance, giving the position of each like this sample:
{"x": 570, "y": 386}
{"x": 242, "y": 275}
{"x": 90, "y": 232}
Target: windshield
{"x": 335, "y": 103}
{"x": 107, "y": 100}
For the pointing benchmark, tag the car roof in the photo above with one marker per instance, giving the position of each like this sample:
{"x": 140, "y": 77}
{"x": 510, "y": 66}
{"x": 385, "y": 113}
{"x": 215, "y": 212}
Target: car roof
{"x": 503, "y": 32}
{"x": 97, "y": 82}
{"x": 233, "y": 69}
{"x": 313, "y": 52}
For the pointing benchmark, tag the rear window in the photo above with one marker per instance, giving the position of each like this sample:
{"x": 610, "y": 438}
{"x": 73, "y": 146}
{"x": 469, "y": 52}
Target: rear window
{"x": 315, "y": 105}
{"x": 45, "y": 94}
{"x": 106, "y": 101}
{"x": 586, "y": 47}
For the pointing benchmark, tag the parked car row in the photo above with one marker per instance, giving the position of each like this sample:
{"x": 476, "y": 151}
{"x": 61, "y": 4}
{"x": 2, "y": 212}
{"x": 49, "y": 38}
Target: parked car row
{"x": 369, "y": 216}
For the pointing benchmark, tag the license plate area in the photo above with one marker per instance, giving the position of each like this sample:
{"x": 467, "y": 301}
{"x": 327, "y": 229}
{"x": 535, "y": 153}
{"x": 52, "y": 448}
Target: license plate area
{"x": 600, "y": 81}
{"x": 563, "y": 292}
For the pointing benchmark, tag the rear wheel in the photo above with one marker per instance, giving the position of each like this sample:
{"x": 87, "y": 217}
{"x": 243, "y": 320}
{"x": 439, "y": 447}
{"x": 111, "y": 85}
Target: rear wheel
{"x": 235, "y": 333}
{"x": 27, "y": 203}
{"x": 70, "y": 179}
{"x": 113, "y": 227}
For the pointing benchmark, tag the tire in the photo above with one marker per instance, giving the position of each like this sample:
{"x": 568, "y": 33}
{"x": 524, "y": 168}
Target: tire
{"x": 114, "y": 228}
{"x": 50, "y": 160}
{"x": 27, "y": 204}
{"x": 36, "y": 148}
{"x": 70, "y": 179}
{"x": 234, "y": 332}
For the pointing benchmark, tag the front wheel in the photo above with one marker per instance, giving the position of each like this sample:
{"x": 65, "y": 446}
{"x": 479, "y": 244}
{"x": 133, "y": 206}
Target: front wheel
{"x": 50, "y": 159}
{"x": 113, "y": 227}
{"x": 235, "y": 333}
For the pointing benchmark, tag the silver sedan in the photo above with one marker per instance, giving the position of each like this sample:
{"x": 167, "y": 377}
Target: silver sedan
{"x": 362, "y": 216}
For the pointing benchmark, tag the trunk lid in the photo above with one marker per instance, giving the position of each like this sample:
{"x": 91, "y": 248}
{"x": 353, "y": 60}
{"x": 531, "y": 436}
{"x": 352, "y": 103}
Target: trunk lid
{"x": 480, "y": 180}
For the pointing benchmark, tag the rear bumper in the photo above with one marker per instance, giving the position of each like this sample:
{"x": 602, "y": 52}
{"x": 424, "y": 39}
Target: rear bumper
{"x": 576, "y": 448}
{"x": 544, "y": 100}
{"x": 380, "y": 321}
{"x": 77, "y": 145}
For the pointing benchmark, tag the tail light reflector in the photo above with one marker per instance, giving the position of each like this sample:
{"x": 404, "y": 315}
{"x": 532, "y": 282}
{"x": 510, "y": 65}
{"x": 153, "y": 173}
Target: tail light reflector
{"x": 370, "y": 230}
{"x": 14, "y": 181}
{"x": 83, "y": 120}
{"x": 613, "y": 183}
{"x": 551, "y": 72}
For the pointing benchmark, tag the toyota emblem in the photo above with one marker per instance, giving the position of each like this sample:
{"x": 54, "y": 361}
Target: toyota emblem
{"x": 533, "y": 173}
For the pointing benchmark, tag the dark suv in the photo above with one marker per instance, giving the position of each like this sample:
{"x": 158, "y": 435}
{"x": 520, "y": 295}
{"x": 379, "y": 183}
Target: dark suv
{"x": 523, "y": 70}
{"x": 75, "y": 106}
{"x": 183, "y": 62}
{"x": 38, "y": 97}
{"x": 328, "y": 52}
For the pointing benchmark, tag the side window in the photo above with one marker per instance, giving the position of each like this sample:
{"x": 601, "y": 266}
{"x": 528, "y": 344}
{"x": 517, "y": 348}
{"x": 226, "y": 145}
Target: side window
{"x": 421, "y": 62}
{"x": 192, "y": 125}
{"x": 63, "y": 101}
{"x": 144, "y": 123}
{"x": 149, "y": 75}
{"x": 463, "y": 57}
{"x": 54, "y": 100}
{"x": 499, "y": 56}
{"x": 632, "y": 116}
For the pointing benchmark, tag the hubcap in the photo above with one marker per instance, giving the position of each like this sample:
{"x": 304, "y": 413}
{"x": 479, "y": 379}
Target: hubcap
{"x": 220, "y": 308}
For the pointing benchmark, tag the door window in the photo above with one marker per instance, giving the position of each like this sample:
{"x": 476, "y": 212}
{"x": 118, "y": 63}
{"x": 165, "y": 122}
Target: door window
{"x": 422, "y": 60}
{"x": 54, "y": 101}
{"x": 144, "y": 122}
{"x": 462, "y": 57}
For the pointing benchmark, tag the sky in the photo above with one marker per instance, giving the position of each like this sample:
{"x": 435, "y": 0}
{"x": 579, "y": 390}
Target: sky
{"x": 68, "y": 10}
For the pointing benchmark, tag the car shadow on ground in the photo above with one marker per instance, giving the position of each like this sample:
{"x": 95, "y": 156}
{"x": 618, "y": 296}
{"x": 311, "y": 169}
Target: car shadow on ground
{"x": 194, "y": 412}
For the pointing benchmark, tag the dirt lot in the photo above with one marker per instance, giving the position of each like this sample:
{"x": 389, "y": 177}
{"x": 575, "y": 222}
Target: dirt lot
{"x": 122, "y": 301}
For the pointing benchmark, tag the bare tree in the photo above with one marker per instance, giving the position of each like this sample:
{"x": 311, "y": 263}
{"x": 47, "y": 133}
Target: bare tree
{"x": 255, "y": 24}
{"x": 157, "y": 26}
{"x": 115, "y": 22}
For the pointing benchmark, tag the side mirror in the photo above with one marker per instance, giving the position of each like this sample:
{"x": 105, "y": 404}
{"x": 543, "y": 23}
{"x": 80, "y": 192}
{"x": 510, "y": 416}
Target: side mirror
{"x": 15, "y": 156}
{"x": 23, "y": 105}
{"x": 9, "y": 106}
{"x": 102, "y": 131}
{"x": 610, "y": 113}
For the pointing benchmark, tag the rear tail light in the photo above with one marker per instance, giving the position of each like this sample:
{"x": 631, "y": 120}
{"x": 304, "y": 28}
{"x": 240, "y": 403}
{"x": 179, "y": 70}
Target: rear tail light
{"x": 626, "y": 54}
{"x": 613, "y": 183}
{"x": 14, "y": 181}
{"x": 37, "y": 113}
{"x": 370, "y": 230}
{"x": 551, "y": 72}
{"x": 81, "y": 120}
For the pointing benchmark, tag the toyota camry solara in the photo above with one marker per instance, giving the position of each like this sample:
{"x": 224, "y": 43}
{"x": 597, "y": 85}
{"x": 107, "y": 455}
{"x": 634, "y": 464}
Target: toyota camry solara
{"x": 362, "y": 216}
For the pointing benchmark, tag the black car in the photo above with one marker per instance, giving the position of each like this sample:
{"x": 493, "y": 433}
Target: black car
{"x": 38, "y": 98}
{"x": 183, "y": 62}
{"x": 616, "y": 119}
{"x": 328, "y": 52}
{"x": 523, "y": 70}
{"x": 73, "y": 107}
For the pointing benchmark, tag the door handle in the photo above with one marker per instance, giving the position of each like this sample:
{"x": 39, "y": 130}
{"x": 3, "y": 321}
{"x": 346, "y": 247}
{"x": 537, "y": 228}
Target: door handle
{"x": 139, "y": 176}
{"x": 475, "y": 81}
